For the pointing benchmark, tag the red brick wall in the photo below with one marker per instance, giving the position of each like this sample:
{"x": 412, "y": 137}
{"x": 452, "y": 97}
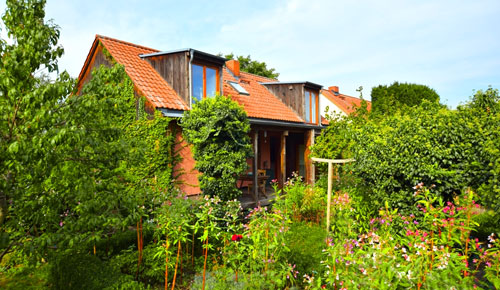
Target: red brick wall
{"x": 189, "y": 175}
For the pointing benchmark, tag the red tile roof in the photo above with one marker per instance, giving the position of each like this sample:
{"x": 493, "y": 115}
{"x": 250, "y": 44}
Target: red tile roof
{"x": 260, "y": 103}
{"x": 346, "y": 103}
{"x": 143, "y": 75}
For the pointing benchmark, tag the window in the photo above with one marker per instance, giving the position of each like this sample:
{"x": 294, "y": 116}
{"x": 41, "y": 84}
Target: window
{"x": 205, "y": 82}
{"x": 311, "y": 107}
{"x": 239, "y": 88}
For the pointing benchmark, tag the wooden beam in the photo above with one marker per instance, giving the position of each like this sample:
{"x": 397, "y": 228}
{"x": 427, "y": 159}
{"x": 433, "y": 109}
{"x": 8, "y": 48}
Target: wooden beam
{"x": 329, "y": 192}
{"x": 313, "y": 167}
{"x": 332, "y": 160}
{"x": 330, "y": 182}
{"x": 283, "y": 158}
{"x": 255, "y": 163}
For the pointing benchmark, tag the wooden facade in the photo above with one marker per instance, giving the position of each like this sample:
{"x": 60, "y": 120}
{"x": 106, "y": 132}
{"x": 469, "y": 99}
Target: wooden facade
{"x": 174, "y": 69}
{"x": 98, "y": 59}
{"x": 290, "y": 94}
{"x": 293, "y": 95}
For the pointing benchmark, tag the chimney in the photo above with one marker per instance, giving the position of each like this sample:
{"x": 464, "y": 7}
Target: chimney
{"x": 334, "y": 89}
{"x": 234, "y": 67}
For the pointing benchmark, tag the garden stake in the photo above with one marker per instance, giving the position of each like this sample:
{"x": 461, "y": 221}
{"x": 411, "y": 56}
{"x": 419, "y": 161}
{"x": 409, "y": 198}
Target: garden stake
{"x": 466, "y": 273}
{"x": 180, "y": 265}
{"x": 176, "y": 263}
{"x": 267, "y": 247}
{"x": 166, "y": 262}
{"x": 432, "y": 250}
{"x": 205, "y": 264}
{"x": 192, "y": 250}
{"x": 139, "y": 245}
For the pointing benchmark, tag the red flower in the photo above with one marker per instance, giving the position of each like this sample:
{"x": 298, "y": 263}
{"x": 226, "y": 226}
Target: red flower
{"x": 236, "y": 238}
{"x": 323, "y": 286}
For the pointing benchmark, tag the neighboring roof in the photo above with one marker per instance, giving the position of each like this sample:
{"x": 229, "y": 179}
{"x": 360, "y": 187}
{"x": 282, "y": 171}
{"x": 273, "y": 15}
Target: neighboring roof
{"x": 260, "y": 103}
{"x": 346, "y": 103}
{"x": 145, "y": 78}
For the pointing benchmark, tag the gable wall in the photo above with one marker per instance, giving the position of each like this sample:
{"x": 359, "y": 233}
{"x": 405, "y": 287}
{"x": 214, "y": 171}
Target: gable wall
{"x": 332, "y": 108}
{"x": 290, "y": 94}
{"x": 174, "y": 69}
{"x": 97, "y": 60}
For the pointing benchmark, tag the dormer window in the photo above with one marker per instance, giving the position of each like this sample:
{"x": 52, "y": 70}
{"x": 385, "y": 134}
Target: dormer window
{"x": 205, "y": 81}
{"x": 311, "y": 107}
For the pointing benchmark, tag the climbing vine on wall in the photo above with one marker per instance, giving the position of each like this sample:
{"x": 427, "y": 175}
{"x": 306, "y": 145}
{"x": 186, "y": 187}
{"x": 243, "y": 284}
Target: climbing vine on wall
{"x": 218, "y": 130}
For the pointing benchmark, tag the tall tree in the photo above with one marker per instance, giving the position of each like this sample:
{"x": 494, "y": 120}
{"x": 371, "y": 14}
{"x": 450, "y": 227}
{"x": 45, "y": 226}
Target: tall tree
{"x": 253, "y": 66}
{"x": 24, "y": 103}
{"x": 63, "y": 156}
{"x": 398, "y": 96}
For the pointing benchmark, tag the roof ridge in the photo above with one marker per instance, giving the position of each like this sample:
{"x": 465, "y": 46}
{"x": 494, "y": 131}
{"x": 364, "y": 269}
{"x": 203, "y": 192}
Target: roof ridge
{"x": 126, "y": 42}
{"x": 344, "y": 95}
{"x": 244, "y": 72}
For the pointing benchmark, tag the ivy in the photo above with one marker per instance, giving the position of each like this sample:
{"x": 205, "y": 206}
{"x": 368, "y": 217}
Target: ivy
{"x": 217, "y": 128}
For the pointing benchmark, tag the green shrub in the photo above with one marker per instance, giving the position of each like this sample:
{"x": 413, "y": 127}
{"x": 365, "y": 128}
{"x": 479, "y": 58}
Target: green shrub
{"x": 83, "y": 271}
{"x": 452, "y": 149}
{"x": 152, "y": 269}
{"x": 488, "y": 223}
{"x": 220, "y": 280}
{"x": 25, "y": 277}
{"x": 218, "y": 130}
{"x": 400, "y": 96}
{"x": 306, "y": 242}
{"x": 300, "y": 200}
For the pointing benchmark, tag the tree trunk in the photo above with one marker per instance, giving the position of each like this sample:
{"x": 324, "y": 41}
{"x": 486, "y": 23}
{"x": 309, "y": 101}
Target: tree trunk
{"x": 3, "y": 207}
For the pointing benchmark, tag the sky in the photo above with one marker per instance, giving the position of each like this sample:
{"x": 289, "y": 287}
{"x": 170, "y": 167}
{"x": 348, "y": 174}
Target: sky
{"x": 450, "y": 46}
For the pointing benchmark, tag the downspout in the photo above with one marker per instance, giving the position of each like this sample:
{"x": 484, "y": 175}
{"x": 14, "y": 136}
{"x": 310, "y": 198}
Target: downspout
{"x": 221, "y": 85}
{"x": 190, "y": 81}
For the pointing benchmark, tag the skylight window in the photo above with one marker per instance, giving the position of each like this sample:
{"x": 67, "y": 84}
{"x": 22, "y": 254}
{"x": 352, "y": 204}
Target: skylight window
{"x": 239, "y": 88}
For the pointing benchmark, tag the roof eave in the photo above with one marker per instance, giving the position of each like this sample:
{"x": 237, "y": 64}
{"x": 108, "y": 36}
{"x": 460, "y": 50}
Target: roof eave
{"x": 269, "y": 122}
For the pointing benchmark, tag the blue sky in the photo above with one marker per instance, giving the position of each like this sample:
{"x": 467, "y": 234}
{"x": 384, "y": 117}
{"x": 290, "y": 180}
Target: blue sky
{"x": 451, "y": 46}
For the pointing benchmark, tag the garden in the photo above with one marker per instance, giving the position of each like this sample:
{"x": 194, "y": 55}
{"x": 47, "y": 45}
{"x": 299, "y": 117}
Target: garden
{"x": 89, "y": 199}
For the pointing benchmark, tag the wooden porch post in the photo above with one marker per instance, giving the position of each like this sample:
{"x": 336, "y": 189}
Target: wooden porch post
{"x": 309, "y": 141}
{"x": 283, "y": 158}
{"x": 254, "y": 171}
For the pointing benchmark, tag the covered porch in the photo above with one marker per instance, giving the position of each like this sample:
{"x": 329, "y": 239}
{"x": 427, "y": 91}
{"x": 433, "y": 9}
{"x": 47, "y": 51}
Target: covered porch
{"x": 278, "y": 152}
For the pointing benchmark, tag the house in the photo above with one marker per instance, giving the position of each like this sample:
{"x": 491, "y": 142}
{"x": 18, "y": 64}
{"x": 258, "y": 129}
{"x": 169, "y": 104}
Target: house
{"x": 338, "y": 103}
{"x": 284, "y": 116}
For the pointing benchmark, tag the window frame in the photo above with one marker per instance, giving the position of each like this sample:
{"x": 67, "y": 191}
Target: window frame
{"x": 217, "y": 80}
{"x": 316, "y": 104}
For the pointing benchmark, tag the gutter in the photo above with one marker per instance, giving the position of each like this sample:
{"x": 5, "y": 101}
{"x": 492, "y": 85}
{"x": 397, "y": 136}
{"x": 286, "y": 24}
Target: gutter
{"x": 253, "y": 121}
{"x": 171, "y": 113}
